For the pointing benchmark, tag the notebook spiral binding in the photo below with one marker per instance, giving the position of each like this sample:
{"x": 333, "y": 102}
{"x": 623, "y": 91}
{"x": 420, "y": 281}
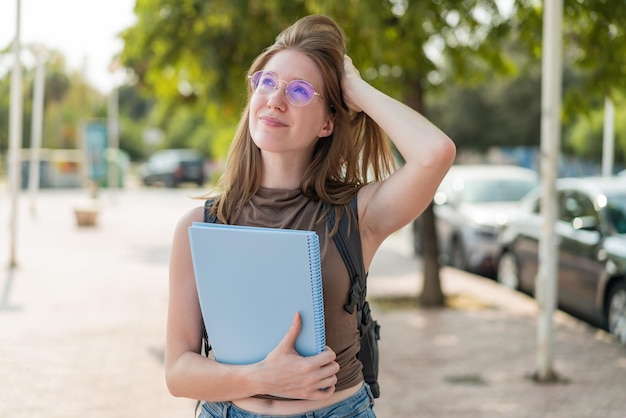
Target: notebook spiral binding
{"x": 318, "y": 306}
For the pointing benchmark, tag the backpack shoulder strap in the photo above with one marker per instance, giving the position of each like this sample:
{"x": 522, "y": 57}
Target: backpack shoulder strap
{"x": 348, "y": 242}
{"x": 208, "y": 216}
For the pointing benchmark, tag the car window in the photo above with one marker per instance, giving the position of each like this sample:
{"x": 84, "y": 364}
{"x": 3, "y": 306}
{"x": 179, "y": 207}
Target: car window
{"x": 496, "y": 190}
{"x": 162, "y": 160}
{"x": 574, "y": 205}
{"x": 616, "y": 209}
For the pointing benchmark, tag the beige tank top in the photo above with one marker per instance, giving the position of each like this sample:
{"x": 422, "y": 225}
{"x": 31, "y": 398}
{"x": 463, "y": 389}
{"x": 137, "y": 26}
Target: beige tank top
{"x": 277, "y": 208}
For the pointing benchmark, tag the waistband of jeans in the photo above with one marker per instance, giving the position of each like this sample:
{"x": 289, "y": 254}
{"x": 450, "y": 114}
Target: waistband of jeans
{"x": 364, "y": 394}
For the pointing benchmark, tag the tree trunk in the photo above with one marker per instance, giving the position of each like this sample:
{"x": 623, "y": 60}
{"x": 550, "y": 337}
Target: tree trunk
{"x": 432, "y": 294}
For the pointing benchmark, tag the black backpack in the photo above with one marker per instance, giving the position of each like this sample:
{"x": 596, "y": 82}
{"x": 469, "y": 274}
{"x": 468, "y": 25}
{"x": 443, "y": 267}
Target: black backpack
{"x": 348, "y": 242}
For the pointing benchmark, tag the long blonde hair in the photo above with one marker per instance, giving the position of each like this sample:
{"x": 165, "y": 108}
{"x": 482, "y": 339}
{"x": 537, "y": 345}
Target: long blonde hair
{"x": 357, "y": 151}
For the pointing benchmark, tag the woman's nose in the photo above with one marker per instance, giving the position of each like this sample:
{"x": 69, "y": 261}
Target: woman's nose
{"x": 277, "y": 98}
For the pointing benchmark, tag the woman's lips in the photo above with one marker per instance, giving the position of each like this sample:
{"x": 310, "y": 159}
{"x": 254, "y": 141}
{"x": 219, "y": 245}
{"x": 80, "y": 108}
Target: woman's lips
{"x": 272, "y": 121}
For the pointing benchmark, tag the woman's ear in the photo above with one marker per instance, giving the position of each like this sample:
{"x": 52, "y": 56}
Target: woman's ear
{"x": 328, "y": 127}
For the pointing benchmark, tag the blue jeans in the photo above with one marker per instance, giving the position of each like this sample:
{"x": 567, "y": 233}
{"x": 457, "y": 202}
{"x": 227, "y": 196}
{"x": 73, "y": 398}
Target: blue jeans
{"x": 358, "y": 405}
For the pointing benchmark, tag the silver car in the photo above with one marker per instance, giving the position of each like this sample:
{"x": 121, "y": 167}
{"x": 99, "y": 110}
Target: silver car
{"x": 472, "y": 204}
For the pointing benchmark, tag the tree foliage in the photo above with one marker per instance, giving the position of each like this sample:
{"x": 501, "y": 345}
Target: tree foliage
{"x": 195, "y": 53}
{"x": 594, "y": 39}
{"x": 586, "y": 135}
{"x": 508, "y": 111}
{"x": 68, "y": 100}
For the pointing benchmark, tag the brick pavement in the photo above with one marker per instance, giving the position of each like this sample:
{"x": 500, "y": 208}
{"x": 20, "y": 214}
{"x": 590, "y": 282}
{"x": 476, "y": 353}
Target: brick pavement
{"x": 82, "y": 326}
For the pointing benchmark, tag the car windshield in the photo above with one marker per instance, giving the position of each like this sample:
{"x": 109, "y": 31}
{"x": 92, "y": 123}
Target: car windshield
{"x": 496, "y": 190}
{"x": 616, "y": 208}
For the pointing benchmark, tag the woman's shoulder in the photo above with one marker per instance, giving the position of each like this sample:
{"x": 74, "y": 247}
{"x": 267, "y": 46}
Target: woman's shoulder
{"x": 192, "y": 215}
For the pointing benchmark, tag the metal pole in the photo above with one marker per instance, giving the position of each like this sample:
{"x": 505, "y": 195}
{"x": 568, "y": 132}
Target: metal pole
{"x": 36, "y": 130}
{"x": 15, "y": 138}
{"x": 608, "y": 137}
{"x": 113, "y": 148}
{"x": 550, "y": 145}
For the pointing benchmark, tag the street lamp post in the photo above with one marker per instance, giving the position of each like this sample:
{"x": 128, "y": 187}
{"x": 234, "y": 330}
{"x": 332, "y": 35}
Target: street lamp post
{"x": 113, "y": 146}
{"x": 113, "y": 129}
{"x": 608, "y": 137}
{"x": 550, "y": 145}
{"x": 15, "y": 138}
{"x": 37, "y": 127}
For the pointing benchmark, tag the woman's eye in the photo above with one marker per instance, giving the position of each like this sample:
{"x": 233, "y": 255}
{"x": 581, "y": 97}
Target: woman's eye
{"x": 267, "y": 82}
{"x": 301, "y": 91}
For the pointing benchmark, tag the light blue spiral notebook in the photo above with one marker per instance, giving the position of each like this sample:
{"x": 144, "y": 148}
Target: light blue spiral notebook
{"x": 251, "y": 281}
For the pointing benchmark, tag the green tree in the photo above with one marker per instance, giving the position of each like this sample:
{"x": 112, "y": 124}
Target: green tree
{"x": 463, "y": 36}
{"x": 68, "y": 100}
{"x": 586, "y": 134}
{"x": 134, "y": 114}
{"x": 594, "y": 39}
{"x": 509, "y": 109}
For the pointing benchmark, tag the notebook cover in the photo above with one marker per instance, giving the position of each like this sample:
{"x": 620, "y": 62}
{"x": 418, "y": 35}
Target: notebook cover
{"x": 251, "y": 281}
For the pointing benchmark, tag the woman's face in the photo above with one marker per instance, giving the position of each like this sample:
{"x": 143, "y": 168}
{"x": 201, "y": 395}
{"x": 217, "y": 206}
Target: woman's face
{"x": 278, "y": 126}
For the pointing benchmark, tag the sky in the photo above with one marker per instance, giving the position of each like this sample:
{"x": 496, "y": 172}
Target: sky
{"x": 84, "y": 31}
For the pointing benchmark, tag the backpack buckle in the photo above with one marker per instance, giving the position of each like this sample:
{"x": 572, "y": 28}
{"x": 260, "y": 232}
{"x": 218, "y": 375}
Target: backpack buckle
{"x": 354, "y": 298}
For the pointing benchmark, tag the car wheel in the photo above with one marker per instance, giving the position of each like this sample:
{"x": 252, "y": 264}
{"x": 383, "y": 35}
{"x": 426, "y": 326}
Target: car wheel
{"x": 457, "y": 255}
{"x": 508, "y": 271}
{"x": 616, "y": 311}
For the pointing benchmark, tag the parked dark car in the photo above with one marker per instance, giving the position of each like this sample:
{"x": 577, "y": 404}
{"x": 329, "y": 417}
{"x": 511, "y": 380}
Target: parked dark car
{"x": 172, "y": 167}
{"x": 591, "y": 236}
{"x": 472, "y": 204}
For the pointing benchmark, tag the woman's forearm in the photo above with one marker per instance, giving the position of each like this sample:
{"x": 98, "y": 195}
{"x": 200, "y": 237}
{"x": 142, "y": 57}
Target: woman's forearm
{"x": 416, "y": 138}
{"x": 197, "y": 377}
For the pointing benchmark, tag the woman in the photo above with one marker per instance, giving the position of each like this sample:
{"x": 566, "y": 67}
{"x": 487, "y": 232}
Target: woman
{"x": 313, "y": 131}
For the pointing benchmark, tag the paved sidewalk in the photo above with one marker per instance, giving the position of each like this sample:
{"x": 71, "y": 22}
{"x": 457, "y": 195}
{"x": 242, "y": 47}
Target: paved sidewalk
{"x": 82, "y": 327}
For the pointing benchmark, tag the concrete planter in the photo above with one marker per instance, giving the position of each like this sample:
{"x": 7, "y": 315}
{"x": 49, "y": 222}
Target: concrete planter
{"x": 86, "y": 214}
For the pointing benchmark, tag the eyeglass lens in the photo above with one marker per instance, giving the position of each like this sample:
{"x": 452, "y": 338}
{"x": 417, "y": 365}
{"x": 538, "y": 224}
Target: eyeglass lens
{"x": 298, "y": 92}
